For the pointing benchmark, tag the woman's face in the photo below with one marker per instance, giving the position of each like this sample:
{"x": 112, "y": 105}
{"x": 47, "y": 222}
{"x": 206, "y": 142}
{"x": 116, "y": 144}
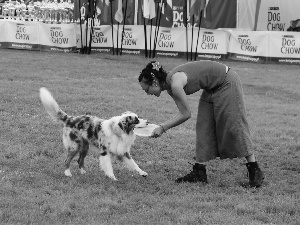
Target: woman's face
{"x": 153, "y": 89}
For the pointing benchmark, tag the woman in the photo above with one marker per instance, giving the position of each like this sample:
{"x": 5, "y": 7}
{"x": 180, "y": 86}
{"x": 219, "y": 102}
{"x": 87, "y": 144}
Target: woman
{"x": 222, "y": 129}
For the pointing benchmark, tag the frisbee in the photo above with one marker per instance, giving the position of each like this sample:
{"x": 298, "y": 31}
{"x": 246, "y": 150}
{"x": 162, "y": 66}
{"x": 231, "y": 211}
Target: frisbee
{"x": 145, "y": 131}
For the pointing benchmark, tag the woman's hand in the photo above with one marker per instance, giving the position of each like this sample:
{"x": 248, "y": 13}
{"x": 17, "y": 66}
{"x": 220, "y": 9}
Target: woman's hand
{"x": 157, "y": 132}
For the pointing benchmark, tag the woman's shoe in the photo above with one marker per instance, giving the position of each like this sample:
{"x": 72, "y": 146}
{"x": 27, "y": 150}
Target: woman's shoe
{"x": 256, "y": 176}
{"x": 198, "y": 174}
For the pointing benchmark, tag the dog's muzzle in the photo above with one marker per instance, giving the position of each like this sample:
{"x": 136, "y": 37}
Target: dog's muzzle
{"x": 142, "y": 123}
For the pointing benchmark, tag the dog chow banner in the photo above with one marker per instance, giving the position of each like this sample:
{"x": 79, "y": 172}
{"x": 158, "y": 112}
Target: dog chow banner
{"x": 22, "y": 35}
{"x": 57, "y": 37}
{"x": 133, "y": 41}
{"x": 285, "y": 47}
{"x": 249, "y": 46}
{"x": 170, "y": 42}
{"x": 276, "y": 15}
{"x": 2, "y": 34}
{"x": 101, "y": 37}
{"x": 212, "y": 44}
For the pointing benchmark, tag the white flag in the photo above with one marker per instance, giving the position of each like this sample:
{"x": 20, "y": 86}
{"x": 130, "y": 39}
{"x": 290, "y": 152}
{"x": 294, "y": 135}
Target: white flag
{"x": 119, "y": 12}
{"x": 149, "y": 9}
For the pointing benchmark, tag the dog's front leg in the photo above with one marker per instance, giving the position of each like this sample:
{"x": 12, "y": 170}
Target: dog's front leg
{"x": 106, "y": 165}
{"x": 131, "y": 164}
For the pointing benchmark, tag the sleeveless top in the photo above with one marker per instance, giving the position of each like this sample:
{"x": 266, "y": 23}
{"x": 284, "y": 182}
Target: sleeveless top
{"x": 202, "y": 74}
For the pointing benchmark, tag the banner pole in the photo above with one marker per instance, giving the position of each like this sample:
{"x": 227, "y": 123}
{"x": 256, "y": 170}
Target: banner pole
{"x": 123, "y": 27}
{"x": 150, "y": 47}
{"x": 157, "y": 31}
{"x": 86, "y": 34}
{"x": 186, "y": 32}
{"x": 192, "y": 25}
{"x": 196, "y": 51}
{"x": 81, "y": 50}
{"x": 112, "y": 27}
{"x": 92, "y": 24}
{"x": 156, "y": 24}
{"x": 145, "y": 36}
{"x": 118, "y": 38}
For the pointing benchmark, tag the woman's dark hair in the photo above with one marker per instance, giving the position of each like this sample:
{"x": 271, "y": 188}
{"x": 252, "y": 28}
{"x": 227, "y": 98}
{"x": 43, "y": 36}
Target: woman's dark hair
{"x": 153, "y": 68}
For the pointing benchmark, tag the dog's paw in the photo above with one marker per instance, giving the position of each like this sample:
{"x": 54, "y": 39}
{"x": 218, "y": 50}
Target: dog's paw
{"x": 144, "y": 174}
{"x": 112, "y": 177}
{"x": 68, "y": 173}
{"x": 82, "y": 171}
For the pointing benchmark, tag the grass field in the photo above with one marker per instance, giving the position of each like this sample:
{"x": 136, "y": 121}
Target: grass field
{"x": 34, "y": 190}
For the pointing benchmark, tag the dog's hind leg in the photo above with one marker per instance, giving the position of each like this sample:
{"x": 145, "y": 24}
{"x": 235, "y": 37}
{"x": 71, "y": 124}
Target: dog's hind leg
{"x": 106, "y": 165}
{"x": 82, "y": 155}
{"x": 72, "y": 144}
{"x": 72, "y": 151}
{"x": 131, "y": 164}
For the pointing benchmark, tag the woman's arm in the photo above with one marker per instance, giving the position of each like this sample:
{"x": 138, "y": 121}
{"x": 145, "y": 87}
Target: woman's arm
{"x": 178, "y": 82}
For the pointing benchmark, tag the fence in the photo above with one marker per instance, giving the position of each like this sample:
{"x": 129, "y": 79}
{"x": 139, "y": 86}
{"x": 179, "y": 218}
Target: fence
{"x": 190, "y": 43}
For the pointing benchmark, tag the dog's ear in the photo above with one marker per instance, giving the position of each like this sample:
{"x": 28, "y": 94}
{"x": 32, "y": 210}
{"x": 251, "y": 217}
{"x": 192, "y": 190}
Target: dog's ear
{"x": 132, "y": 122}
{"x": 121, "y": 125}
{"x": 127, "y": 123}
{"x": 124, "y": 124}
{"x": 133, "y": 119}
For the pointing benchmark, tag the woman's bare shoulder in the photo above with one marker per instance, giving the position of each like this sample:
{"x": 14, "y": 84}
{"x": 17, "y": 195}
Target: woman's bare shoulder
{"x": 178, "y": 78}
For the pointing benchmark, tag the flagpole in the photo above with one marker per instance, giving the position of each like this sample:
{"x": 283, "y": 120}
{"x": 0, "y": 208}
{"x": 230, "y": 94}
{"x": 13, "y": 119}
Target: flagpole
{"x": 192, "y": 25}
{"x": 157, "y": 31}
{"x": 186, "y": 32}
{"x": 89, "y": 30}
{"x": 81, "y": 50}
{"x": 145, "y": 36}
{"x": 118, "y": 38}
{"x": 123, "y": 27}
{"x": 112, "y": 27}
{"x": 92, "y": 24}
{"x": 150, "y": 47}
{"x": 156, "y": 23}
{"x": 86, "y": 33}
{"x": 198, "y": 35}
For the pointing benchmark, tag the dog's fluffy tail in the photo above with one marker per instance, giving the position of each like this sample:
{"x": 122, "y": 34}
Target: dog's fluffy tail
{"x": 51, "y": 105}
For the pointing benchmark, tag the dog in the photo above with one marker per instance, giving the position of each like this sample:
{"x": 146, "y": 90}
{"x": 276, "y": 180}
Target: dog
{"x": 113, "y": 137}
